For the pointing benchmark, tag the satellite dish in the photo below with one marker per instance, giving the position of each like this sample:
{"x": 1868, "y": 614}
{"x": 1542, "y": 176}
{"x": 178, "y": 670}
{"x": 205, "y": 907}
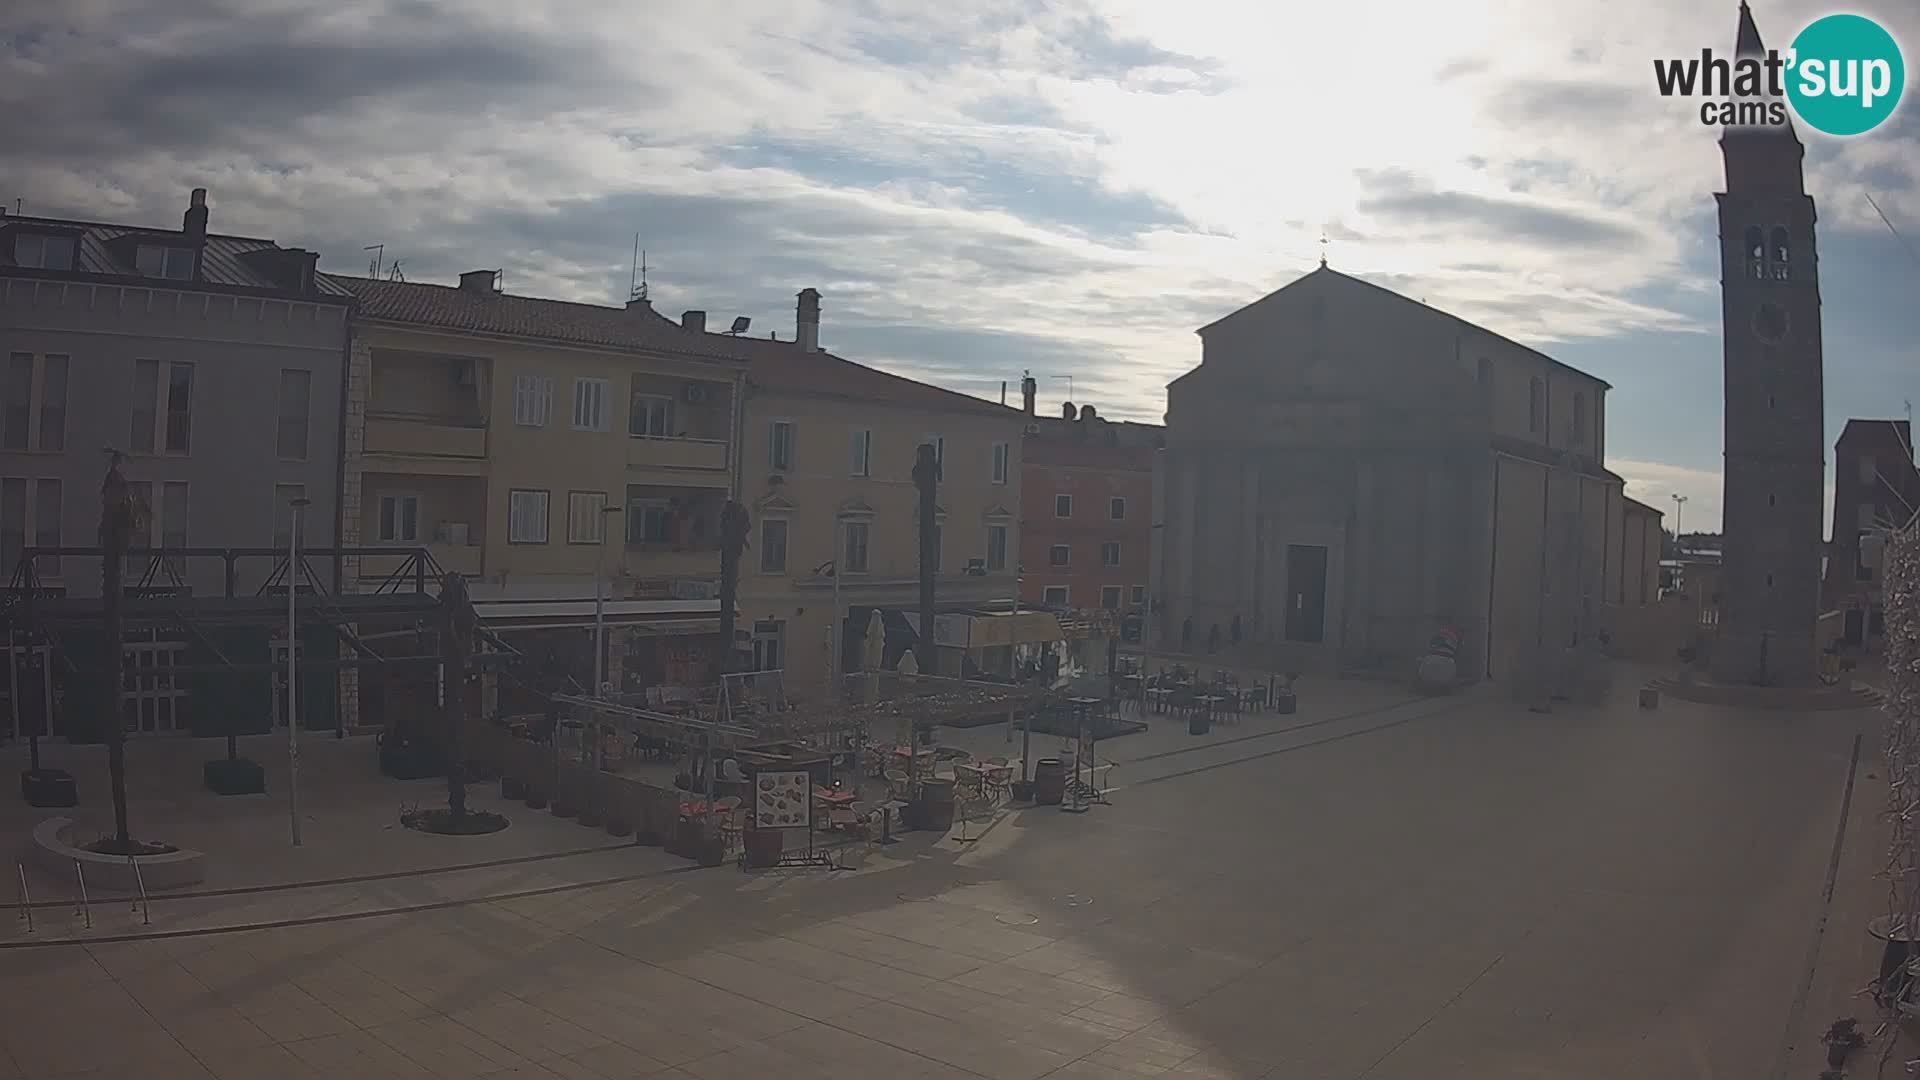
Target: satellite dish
{"x": 740, "y": 324}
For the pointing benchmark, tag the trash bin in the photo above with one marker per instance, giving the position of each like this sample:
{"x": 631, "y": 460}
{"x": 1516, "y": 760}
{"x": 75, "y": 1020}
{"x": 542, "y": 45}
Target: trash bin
{"x": 1049, "y": 782}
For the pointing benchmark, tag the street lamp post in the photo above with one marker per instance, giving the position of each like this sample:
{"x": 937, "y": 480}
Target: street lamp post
{"x": 600, "y": 629}
{"x": 1679, "y": 505}
{"x": 293, "y": 669}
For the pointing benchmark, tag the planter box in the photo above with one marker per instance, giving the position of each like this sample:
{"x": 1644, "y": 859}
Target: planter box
{"x": 234, "y": 776}
{"x": 48, "y": 787}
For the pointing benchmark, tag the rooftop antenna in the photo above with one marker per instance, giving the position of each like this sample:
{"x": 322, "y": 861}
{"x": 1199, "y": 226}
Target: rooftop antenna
{"x": 637, "y": 285}
{"x": 740, "y": 324}
{"x": 393, "y": 271}
{"x": 373, "y": 264}
{"x": 1323, "y": 248}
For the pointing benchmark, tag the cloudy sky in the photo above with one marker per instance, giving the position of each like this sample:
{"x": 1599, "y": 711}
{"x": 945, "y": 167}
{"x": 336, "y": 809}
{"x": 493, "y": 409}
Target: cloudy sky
{"x": 981, "y": 188}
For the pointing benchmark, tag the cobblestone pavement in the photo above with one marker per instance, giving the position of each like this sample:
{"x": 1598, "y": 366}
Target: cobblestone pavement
{"x": 1451, "y": 888}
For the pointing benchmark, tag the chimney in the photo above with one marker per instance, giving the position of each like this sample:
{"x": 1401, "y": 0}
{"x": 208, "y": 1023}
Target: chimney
{"x": 300, "y": 266}
{"x": 1087, "y": 413}
{"x": 639, "y": 303}
{"x": 194, "y": 221}
{"x": 480, "y": 281}
{"x": 1029, "y": 388}
{"x": 1068, "y": 412}
{"x": 806, "y": 320}
{"x": 695, "y": 321}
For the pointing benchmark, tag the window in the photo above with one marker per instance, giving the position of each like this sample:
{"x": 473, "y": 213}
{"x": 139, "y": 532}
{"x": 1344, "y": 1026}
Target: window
{"x": 1579, "y": 418}
{"x": 296, "y": 386}
{"x": 399, "y": 519}
{"x": 1055, "y": 595}
{"x": 649, "y": 520}
{"x": 53, "y": 403}
{"x": 1110, "y": 597}
{"x": 13, "y": 522}
{"x": 283, "y": 496}
{"x": 1536, "y": 403}
{"x": 996, "y": 547}
{"x": 179, "y": 408}
{"x": 526, "y": 517}
{"x": 586, "y": 511}
{"x": 46, "y": 525}
{"x": 1110, "y": 553}
{"x": 1755, "y": 248}
{"x": 19, "y": 403}
{"x": 860, "y": 453}
{"x": 649, "y": 416}
{"x": 1778, "y": 252}
{"x": 1139, "y": 596}
{"x": 1117, "y": 508}
{"x": 590, "y": 404}
{"x": 532, "y": 400}
{"x": 1059, "y": 555}
{"x": 780, "y": 445}
{"x": 151, "y": 260}
{"x": 1001, "y": 456}
{"x": 1869, "y": 470}
{"x": 172, "y": 519}
{"x": 773, "y": 545}
{"x": 43, "y": 251}
{"x": 854, "y": 546}
{"x": 1063, "y": 506}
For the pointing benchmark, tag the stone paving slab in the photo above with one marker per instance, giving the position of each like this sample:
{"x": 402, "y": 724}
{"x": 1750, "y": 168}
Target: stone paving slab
{"x": 1585, "y": 893}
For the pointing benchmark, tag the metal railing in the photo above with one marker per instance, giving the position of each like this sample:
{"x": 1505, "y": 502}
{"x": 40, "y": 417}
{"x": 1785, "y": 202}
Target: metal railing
{"x": 26, "y": 898}
{"x": 140, "y": 903}
{"x": 85, "y": 908}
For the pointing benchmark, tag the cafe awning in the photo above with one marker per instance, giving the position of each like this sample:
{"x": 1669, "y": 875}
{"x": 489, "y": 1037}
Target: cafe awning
{"x": 1025, "y": 628}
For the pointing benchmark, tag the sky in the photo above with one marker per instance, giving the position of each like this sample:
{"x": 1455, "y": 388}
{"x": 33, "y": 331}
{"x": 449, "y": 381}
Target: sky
{"x": 1069, "y": 188}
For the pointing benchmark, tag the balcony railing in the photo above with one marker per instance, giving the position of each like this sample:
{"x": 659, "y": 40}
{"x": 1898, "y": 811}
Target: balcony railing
{"x": 425, "y": 435}
{"x": 652, "y": 452}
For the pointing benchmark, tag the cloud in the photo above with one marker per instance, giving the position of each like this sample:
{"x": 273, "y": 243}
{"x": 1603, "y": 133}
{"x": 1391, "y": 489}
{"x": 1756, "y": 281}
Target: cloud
{"x": 976, "y": 188}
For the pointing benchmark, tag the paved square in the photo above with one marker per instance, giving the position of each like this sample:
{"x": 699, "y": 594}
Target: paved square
{"x": 1448, "y": 888}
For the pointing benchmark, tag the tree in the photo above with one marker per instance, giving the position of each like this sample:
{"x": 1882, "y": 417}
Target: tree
{"x": 926, "y": 478}
{"x": 121, "y": 515}
{"x": 457, "y": 623}
{"x": 734, "y": 525}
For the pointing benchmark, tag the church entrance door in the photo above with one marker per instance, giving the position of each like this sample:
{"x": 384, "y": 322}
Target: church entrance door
{"x": 1306, "y": 592}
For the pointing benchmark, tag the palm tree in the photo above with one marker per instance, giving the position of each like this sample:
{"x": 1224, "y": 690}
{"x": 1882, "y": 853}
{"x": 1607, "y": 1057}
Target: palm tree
{"x": 122, "y": 516}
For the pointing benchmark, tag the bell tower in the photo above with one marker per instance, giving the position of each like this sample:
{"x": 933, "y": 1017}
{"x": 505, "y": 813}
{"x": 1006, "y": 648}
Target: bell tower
{"x": 1775, "y": 439}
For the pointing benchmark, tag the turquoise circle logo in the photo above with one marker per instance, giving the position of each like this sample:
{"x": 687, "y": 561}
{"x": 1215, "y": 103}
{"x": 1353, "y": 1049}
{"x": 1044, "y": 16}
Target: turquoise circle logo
{"x": 1845, "y": 75}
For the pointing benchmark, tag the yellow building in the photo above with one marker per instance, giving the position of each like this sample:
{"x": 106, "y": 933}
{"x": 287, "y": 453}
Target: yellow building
{"x": 538, "y": 446}
{"x": 826, "y": 473}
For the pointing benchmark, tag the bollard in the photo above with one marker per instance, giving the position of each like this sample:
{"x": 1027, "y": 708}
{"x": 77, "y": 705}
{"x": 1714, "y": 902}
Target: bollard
{"x": 85, "y": 908}
{"x": 26, "y": 897}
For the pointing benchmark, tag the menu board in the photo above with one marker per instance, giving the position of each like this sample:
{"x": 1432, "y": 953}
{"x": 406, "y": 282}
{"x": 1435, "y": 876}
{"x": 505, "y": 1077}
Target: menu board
{"x": 783, "y": 800}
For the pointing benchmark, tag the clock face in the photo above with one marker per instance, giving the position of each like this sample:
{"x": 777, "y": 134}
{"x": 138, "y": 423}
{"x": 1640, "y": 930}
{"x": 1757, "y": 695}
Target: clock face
{"x": 1770, "y": 323}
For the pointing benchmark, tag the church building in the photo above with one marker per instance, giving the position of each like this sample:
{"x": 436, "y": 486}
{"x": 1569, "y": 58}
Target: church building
{"x": 1349, "y": 471}
{"x": 1774, "y": 494}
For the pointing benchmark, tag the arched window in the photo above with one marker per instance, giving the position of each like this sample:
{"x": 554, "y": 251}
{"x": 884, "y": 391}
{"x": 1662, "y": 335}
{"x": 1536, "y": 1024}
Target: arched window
{"x": 1779, "y": 254}
{"x": 1756, "y": 249}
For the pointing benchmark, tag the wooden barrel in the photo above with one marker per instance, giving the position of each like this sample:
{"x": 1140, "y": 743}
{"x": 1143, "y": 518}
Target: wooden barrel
{"x": 935, "y": 805}
{"x": 1049, "y": 782}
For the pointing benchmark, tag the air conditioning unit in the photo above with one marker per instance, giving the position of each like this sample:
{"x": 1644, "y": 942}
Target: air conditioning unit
{"x": 694, "y": 393}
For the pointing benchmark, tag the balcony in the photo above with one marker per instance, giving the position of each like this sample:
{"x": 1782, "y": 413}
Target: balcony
{"x": 703, "y": 455}
{"x": 424, "y": 435}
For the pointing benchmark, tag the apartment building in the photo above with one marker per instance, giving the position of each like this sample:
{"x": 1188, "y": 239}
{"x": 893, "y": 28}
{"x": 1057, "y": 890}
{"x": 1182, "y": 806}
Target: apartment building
{"x": 827, "y": 477}
{"x": 1087, "y": 509}
{"x": 214, "y": 363}
{"x": 1875, "y": 486}
{"x": 537, "y": 447}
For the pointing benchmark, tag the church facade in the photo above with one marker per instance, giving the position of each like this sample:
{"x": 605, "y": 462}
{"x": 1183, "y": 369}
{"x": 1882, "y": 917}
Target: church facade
{"x": 1349, "y": 471}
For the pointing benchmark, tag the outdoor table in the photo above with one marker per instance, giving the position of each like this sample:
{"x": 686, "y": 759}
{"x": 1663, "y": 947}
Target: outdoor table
{"x": 1253, "y": 697}
{"x": 1157, "y": 697}
{"x": 832, "y": 797}
{"x": 1211, "y": 702}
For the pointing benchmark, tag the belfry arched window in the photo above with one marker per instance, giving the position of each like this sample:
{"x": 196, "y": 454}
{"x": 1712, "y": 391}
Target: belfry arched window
{"x": 1756, "y": 249}
{"x": 1779, "y": 255}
